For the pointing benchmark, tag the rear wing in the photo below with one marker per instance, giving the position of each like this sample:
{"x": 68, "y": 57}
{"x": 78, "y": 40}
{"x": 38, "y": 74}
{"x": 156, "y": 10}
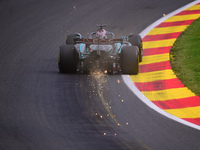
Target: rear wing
{"x": 98, "y": 41}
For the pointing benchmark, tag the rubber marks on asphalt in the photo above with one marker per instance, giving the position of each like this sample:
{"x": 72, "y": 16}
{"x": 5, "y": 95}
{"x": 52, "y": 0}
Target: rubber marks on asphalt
{"x": 156, "y": 79}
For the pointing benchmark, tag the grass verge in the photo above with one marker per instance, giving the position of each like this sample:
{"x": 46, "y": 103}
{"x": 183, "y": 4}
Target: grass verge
{"x": 185, "y": 57}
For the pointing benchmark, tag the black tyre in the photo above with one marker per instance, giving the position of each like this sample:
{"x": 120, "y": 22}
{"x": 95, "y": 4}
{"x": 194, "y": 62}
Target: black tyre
{"x": 130, "y": 60}
{"x": 136, "y": 40}
{"x": 67, "y": 59}
{"x": 70, "y": 38}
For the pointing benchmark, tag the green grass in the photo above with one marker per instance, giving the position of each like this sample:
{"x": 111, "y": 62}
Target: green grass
{"x": 185, "y": 57}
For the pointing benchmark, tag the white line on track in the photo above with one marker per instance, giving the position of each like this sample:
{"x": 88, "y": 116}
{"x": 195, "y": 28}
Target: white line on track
{"x": 134, "y": 89}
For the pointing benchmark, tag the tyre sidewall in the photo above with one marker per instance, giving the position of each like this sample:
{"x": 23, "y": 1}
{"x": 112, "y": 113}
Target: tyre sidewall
{"x": 129, "y": 60}
{"x": 67, "y": 59}
{"x": 136, "y": 40}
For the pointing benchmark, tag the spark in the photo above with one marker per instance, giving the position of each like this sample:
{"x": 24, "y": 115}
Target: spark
{"x": 118, "y": 124}
{"x": 122, "y": 101}
{"x": 101, "y": 117}
{"x": 118, "y": 81}
{"x": 105, "y": 71}
{"x": 127, "y": 123}
{"x": 163, "y": 14}
{"x": 104, "y": 134}
{"x": 115, "y": 133}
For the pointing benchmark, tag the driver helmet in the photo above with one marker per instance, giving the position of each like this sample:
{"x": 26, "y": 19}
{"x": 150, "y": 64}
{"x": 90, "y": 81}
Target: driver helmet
{"x": 101, "y": 33}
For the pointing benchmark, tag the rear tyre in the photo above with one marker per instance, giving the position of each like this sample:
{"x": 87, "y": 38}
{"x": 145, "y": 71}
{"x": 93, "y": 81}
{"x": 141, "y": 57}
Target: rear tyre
{"x": 130, "y": 60}
{"x": 67, "y": 59}
{"x": 136, "y": 40}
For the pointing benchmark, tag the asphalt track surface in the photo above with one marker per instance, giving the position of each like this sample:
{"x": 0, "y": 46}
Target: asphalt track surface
{"x": 45, "y": 110}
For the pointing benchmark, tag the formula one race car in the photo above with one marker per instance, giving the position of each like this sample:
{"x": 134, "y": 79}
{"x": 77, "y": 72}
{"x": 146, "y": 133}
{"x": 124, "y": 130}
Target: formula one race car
{"x": 100, "y": 51}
